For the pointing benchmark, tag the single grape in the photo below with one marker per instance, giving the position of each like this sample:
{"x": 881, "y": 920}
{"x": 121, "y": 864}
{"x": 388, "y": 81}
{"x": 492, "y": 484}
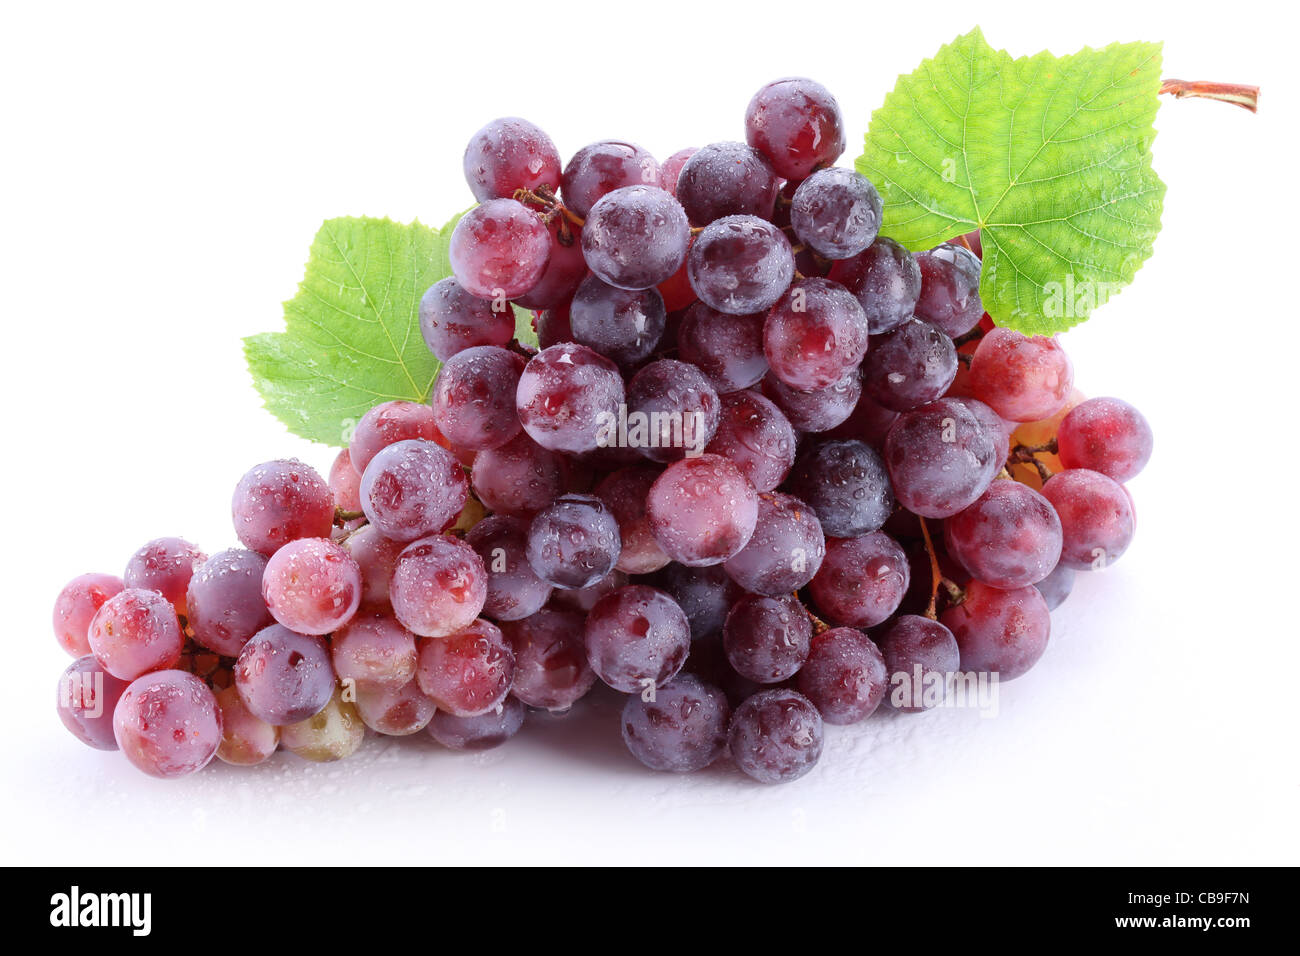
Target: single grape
{"x": 568, "y": 397}
{"x": 413, "y": 488}
{"x": 673, "y": 411}
{"x": 886, "y": 281}
{"x": 332, "y": 733}
{"x": 551, "y": 669}
{"x": 671, "y": 169}
{"x": 1105, "y": 435}
{"x": 374, "y": 650}
{"x": 345, "y": 482}
{"x": 862, "y": 580}
{"x": 164, "y": 565}
{"x": 467, "y": 673}
{"x": 950, "y": 289}
{"x": 635, "y": 237}
{"x": 705, "y": 595}
{"x": 168, "y": 724}
{"x": 869, "y": 422}
{"x": 519, "y": 478}
{"x": 1056, "y": 587}
{"x": 1009, "y": 538}
{"x": 135, "y": 632}
{"x": 624, "y": 326}
{"x": 1097, "y": 518}
{"x": 683, "y": 729}
{"x": 387, "y": 424}
{"x": 376, "y": 556}
{"x": 818, "y": 410}
{"x": 846, "y": 484}
{"x": 225, "y": 601}
{"x": 998, "y": 631}
{"x": 815, "y": 334}
{"x": 284, "y": 677}
{"x": 796, "y": 123}
{"x": 312, "y": 586}
{"x": 602, "y": 167}
{"x": 941, "y": 457}
{"x": 1023, "y": 378}
{"x": 766, "y": 638}
{"x": 514, "y": 590}
{"x": 574, "y": 542}
{"x": 776, "y": 736}
{"x": 394, "y": 711}
{"x": 280, "y": 501}
{"x": 564, "y": 271}
{"x": 785, "y": 551}
{"x": 702, "y": 510}
{"x": 726, "y": 179}
{"x": 836, "y": 212}
{"x": 728, "y": 349}
{"x": 499, "y": 250}
{"x": 509, "y": 154}
{"x": 740, "y": 265}
{"x": 910, "y": 366}
{"x": 246, "y": 739}
{"x": 76, "y": 606}
{"x": 844, "y": 676}
{"x": 439, "y": 586}
{"x": 624, "y": 493}
{"x": 452, "y": 320}
{"x": 87, "y": 696}
{"x": 756, "y": 437}
{"x": 474, "y": 397}
{"x": 921, "y": 657}
{"x": 478, "y": 733}
{"x": 636, "y": 637}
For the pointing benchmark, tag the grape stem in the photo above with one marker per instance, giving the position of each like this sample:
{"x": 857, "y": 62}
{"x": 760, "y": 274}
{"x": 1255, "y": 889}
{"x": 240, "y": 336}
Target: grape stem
{"x": 545, "y": 197}
{"x": 935, "y": 575}
{"x": 819, "y": 626}
{"x": 956, "y": 596}
{"x": 1027, "y": 455}
{"x": 1247, "y": 97}
{"x": 342, "y": 517}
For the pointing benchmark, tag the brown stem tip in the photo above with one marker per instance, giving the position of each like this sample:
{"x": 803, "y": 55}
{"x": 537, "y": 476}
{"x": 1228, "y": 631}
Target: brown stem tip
{"x": 1247, "y": 97}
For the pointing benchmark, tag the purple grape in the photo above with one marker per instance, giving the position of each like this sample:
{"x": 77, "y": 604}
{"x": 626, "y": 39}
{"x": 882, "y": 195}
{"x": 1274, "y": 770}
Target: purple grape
{"x": 1105, "y": 435}
{"x": 499, "y": 250}
{"x": 796, "y": 123}
{"x": 1009, "y": 538}
{"x": 374, "y": 650}
{"x": 845, "y": 483}
{"x": 387, "y": 424}
{"x": 1056, "y": 587}
{"x": 312, "y": 586}
{"x": 168, "y": 724}
{"x": 568, "y": 395}
{"x": 998, "y": 631}
{"x": 815, "y": 335}
{"x": 88, "y": 694}
{"x": 950, "y": 289}
{"x": 862, "y": 580}
{"x": 636, "y": 637}
{"x": 602, "y": 167}
{"x": 726, "y": 348}
{"x": 574, "y": 542}
{"x": 726, "y": 179}
{"x": 478, "y": 733}
{"x": 439, "y": 586}
{"x": 624, "y": 493}
{"x": 413, "y": 488}
{"x": 836, "y": 212}
{"x": 766, "y": 638}
{"x": 467, "y": 673}
{"x": 376, "y": 556}
{"x": 624, "y": 326}
{"x": 551, "y": 669}
{"x": 452, "y": 320}
{"x": 519, "y": 478}
{"x": 1097, "y": 518}
{"x": 76, "y": 606}
{"x": 776, "y": 736}
{"x": 941, "y": 457}
{"x": 910, "y": 366}
{"x": 164, "y": 565}
{"x": 921, "y": 656}
{"x": 740, "y": 265}
{"x": 705, "y": 595}
{"x": 671, "y": 169}
{"x": 284, "y": 677}
{"x": 1023, "y": 378}
{"x": 702, "y": 510}
{"x": 635, "y": 237}
{"x": 682, "y": 730}
{"x": 786, "y": 550}
{"x": 280, "y": 501}
{"x": 564, "y": 271}
{"x": 514, "y": 590}
{"x": 818, "y": 410}
{"x": 224, "y": 600}
{"x": 673, "y": 411}
{"x": 756, "y": 437}
{"x": 474, "y": 397}
{"x": 394, "y": 711}
{"x": 135, "y": 632}
{"x": 845, "y": 676}
{"x": 509, "y": 154}
{"x": 886, "y": 281}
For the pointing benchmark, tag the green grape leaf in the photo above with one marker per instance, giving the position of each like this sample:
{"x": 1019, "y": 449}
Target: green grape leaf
{"x": 1049, "y": 157}
{"x": 352, "y": 333}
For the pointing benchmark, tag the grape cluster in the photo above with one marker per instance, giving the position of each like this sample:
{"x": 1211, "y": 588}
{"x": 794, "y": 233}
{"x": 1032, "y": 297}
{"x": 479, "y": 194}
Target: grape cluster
{"x": 765, "y": 467}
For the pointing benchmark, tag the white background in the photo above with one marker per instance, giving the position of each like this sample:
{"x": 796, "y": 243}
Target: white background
{"x": 164, "y": 171}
